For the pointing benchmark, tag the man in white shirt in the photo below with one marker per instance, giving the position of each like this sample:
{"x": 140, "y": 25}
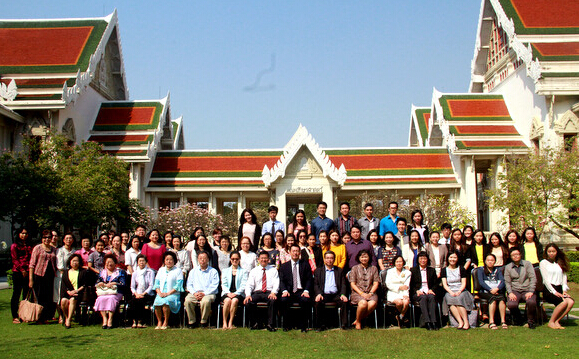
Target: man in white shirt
{"x": 273, "y": 224}
{"x": 262, "y": 286}
{"x": 202, "y": 285}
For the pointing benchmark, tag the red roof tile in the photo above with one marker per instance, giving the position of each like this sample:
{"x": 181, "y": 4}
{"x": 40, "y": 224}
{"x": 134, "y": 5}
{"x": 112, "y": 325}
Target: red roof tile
{"x": 477, "y": 108}
{"x": 42, "y": 46}
{"x": 547, "y": 13}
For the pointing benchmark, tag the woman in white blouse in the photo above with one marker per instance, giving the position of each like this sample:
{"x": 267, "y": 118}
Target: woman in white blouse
{"x": 398, "y": 281}
{"x": 131, "y": 254}
{"x": 62, "y": 255}
{"x": 554, "y": 270}
{"x": 183, "y": 256}
{"x": 142, "y": 281}
{"x": 248, "y": 258}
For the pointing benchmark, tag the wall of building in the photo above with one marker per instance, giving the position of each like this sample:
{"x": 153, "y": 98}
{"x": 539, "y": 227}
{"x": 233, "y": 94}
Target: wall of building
{"x": 83, "y": 111}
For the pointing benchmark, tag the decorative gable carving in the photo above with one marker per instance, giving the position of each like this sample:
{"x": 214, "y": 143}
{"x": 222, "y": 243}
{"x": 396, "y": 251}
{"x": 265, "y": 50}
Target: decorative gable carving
{"x": 321, "y": 161}
{"x": 537, "y": 129}
{"x": 568, "y": 123}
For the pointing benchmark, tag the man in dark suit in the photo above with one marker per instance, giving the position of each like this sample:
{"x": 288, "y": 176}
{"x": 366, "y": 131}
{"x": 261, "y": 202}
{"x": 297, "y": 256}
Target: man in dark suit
{"x": 296, "y": 284}
{"x": 329, "y": 286}
{"x": 423, "y": 286}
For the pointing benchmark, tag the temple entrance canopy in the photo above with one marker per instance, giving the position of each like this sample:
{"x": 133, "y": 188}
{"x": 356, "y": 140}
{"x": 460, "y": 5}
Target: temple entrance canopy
{"x": 303, "y": 174}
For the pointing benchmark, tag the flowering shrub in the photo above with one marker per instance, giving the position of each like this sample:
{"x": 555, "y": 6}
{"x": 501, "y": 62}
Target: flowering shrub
{"x": 182, "y": 220}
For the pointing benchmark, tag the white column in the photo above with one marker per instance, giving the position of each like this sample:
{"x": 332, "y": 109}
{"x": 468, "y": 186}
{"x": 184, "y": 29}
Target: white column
{"x": 496, "y": 216}
{"x": 241, "y": 205}
{"x": 212, "y": 203}
{"x": 135, "y": 180}
{"x": 468, "y": 190}
{"x": 280, "y": 202}
{"x": 331, "y": 200}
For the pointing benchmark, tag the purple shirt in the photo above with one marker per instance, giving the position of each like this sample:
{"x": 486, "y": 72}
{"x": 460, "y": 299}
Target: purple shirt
{"x": 353, "y": 248}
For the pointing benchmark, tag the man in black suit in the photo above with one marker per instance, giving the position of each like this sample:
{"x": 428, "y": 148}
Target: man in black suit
{"x": 425, "y": 291}
{"x": 329, "y": 286}
{"x": 296, "y": 284}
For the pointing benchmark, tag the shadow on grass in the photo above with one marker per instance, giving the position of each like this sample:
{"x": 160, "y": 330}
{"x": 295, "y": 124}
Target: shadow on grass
{"x": 68, "y": 341}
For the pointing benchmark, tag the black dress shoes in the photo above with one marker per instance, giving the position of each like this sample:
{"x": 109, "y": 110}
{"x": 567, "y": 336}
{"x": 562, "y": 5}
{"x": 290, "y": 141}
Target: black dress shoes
{"x": 270, "y": 328}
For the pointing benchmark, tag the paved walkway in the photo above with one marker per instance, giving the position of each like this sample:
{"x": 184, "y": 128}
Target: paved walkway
{"x": 4, "y": 283}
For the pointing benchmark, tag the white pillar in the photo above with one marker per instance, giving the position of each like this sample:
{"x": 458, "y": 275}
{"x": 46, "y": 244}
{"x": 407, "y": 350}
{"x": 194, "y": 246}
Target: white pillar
{"x": 135, "y": 181}
{"x": 281, "y": 203}
{"x": 496, "y": 216}
{"x": 241, "y": 205}
{"x": 329, "y": 197}
{"x": 212, "y": 203}
{"x": 468, "y": 190}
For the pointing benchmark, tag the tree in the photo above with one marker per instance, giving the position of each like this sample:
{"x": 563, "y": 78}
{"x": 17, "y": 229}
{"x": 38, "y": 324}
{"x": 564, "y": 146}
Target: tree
{"x": 540, "y": 189}
{"x": 26, "y": 191}
{"x": 51, "y": 184}
{"x": 92, "y": 188}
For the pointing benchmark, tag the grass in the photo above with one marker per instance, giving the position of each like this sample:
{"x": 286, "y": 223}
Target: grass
{"x": 53, "y": 341}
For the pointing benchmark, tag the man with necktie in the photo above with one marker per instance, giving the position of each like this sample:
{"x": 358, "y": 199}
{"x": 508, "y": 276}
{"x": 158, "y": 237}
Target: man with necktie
{"x": 262, "y": 286}
{"x": 296, "y": 285}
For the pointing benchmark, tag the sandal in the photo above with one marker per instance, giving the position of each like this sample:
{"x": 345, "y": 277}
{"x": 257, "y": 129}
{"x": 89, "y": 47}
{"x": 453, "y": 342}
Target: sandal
{"x": 16, "y": 321}
{"x": 504, "y": 325}
{"x": 493, "y": 326}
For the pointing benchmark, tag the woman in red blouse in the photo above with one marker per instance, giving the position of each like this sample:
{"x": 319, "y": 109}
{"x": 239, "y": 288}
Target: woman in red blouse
{"x": 42, "y": 271}
{"x": 154, "y": 250}
{"x": 20, "y": 252}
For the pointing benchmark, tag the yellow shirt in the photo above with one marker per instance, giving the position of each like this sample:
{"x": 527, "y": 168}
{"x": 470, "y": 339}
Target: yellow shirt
{"x": 73, "y": 277}
{"x": 340, "y": 252}
{"x": 480, "y": 255}
{"x": 531, "y": 253}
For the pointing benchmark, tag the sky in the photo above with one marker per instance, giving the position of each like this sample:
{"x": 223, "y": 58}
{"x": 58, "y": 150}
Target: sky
{"x": 245, "y": 74}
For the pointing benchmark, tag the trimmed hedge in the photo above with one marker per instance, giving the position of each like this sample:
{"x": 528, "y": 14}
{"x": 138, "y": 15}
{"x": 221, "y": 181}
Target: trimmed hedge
{"x": 573, "y": 256}
{"x": 573, "y": 275}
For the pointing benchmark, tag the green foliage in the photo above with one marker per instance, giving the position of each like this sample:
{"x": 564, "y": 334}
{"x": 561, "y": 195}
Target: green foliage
{"x": 27, "y": 190}
{"x": 9, "y": 276}
{"x": 573, "y": 275}
{"x": 93, "y": 187}
{"x": 573, "y": 256}
{"x": 437, "y": 209}
{"x": 51, "y": 183}
{"x": 538, "y": 189}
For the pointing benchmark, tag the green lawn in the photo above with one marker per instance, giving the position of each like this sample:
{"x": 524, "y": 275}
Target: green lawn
{"x": 53, "y": 341}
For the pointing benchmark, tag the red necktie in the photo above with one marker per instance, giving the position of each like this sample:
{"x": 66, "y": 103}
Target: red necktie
{"x": 264, "y": 282}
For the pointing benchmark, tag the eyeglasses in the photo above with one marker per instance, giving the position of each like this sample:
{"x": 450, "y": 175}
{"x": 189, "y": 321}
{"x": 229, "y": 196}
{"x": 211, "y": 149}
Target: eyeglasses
{"x": 234, "y": 259}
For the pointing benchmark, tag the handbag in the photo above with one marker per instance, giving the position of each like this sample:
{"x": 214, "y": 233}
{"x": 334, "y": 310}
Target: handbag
{"x": 106, "y": 291}
{"x": 29, "y": 310}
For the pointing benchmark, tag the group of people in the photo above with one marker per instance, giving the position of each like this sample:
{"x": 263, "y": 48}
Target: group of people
{"x": 342, "y": 262}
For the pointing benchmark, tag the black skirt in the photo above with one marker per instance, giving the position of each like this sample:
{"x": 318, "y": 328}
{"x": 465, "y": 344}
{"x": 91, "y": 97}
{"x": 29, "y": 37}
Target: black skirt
{"x": 550, "y": 297}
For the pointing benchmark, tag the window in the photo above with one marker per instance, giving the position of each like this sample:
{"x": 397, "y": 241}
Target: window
{"x": 498, "y": 46}
{"x": 570, "y": 141}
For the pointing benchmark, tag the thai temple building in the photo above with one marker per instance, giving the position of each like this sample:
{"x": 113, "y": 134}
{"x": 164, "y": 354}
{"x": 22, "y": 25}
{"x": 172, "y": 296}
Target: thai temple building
{"x": 523, "y": 94}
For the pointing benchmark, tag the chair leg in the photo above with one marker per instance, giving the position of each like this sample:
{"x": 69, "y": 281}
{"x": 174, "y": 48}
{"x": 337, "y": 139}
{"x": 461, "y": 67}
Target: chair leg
{"x": 218, "y": 314}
